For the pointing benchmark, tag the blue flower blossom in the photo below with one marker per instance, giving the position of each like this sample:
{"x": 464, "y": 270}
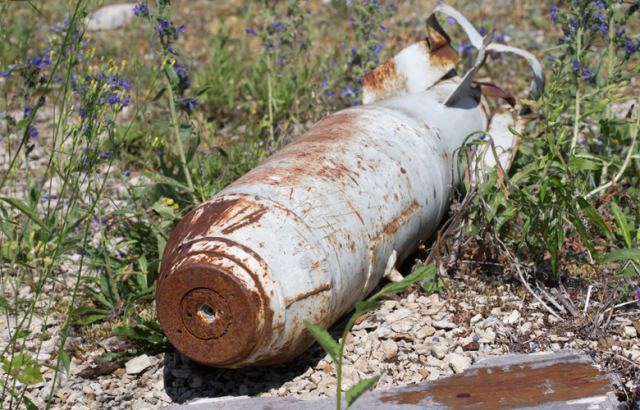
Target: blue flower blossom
{"x": 27, "y": 111}
{"x": 554, "y": 13}
{"x": 189, "y": 104}
{"x": 163, "y": 26}
{"x": 251, "y": 32}
{"x": 33, "y": 131}
{"x": 183, "y": 74}
{"x": 599, "y": 5}
{"x": 141, "y": 10}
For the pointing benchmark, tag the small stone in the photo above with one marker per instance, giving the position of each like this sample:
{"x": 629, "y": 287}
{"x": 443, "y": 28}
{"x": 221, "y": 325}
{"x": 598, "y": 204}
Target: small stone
{"x": 138, "y": 364}
{"x": 390, "y": 349}
{"x": 458, "y": 363}
{"x": 471, "y": 347}
{"x": 512, "y": 318}
{"x": 110, "y": 17}
{"x": 438, "y": 351}
{"x": 443, "y": 324}
{"x": 526, "y": 328}
{"x": 425, "y": 332}
{"x": 630, "y": 331}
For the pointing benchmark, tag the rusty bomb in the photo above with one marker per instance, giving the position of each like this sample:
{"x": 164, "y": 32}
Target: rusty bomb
{"x": 315, "y": 228}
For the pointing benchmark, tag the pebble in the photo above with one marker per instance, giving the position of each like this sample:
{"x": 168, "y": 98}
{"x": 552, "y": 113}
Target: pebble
{"x": 138, "y": 364}
{"x": 110, "y": 17}
{"x": 458, "y": 362}
{"x": 443, "y": 324}
{"x": 390, "y": 349}
{"x": 512, "y": 318}
{"x": 630, "y": 331}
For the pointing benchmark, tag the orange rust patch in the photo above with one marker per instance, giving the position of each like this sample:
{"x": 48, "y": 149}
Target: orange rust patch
{"x": 376, "y": 78}
{"x": 306, "y": 156}
{"x": 391, "y": 227}
{"x": 444, "y": 56}
{"x": 510, "y": 387}
{"x": 297, "y": 298}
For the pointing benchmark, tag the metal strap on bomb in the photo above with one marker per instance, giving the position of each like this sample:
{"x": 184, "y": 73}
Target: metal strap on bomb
{"x": 484, "y": 47}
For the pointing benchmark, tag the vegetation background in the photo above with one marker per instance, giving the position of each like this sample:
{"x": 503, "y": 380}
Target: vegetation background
{"x": 108, "y": 137}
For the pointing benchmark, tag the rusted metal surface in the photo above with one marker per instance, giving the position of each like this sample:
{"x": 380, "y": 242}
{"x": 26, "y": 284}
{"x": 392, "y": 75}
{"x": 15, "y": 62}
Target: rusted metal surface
{"x": 562, "y": 380}
{"x": 313, "y": 229}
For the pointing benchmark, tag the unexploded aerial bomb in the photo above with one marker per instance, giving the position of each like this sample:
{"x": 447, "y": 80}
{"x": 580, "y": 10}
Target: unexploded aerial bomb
{"x": 315, "y": 227}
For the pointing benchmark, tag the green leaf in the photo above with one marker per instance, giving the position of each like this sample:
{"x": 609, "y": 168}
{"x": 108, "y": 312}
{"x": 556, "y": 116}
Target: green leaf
{"x": 621, "y": 221}
{"x": 359, "y": 389}
{"x": 396, "y": 287}
{"x": 66, "y": 361}
{"x": 593, "y": 215}
{"x": 26, "y": 211}
{"x": 620, "y": 255}
{"x": 366, "y": 306}
{"x": 4, "y": 305}
{"x": 30, "y": 374}
{"x": 163, "y": 179}
{"x": 583, "y": 164}
{"x": 324, "y": 338}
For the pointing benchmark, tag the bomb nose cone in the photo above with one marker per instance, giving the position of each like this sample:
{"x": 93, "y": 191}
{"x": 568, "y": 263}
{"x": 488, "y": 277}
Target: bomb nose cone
{"x": 208, "y": 314}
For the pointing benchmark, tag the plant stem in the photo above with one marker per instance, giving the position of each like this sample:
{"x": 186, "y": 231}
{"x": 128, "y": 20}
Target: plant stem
{"x": 576, "y": 120}
{"x": 625, "y": 164}
{"x": 270, "y": 104}
{"x": 345, "y": 334}
{"x": 176, "y": 130}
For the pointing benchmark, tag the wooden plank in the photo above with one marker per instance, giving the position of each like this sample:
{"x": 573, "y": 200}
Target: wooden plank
{"x": 562, "y": 380}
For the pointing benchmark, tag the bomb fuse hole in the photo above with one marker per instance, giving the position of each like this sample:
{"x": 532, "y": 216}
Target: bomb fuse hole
{"x": 206, "y": 313}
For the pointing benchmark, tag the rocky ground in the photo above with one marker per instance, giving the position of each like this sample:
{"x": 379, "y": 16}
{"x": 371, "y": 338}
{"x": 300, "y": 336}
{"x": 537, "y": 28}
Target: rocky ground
{"x": 414, "y": 338}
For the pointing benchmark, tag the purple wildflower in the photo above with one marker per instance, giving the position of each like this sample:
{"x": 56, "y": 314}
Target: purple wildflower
{"x": 588, "y": 74}
{"x": 27, "y": 111}
{"x": 451, "y": 21}
{"x": 348, "y": 92}
{"x": 573, "y": 23}
{"x": 554, "y": 13}
{"x": 599, "y": 5}
{"x": 251, "y": 32}
{"x": 629, "y": 47}
{"x": 189, "y": 104}
{"x": 33, "y": 131}
{"x": 575, "y": 65}
{"x": 637, "y": 293}
{"x": 183, "y": 74}
{"x": 602, "y": 28}
{"x": 141, "y": 10}
{"x": 126, "y": 101}
{"x": 163, "y": 26}
{"x": 113, "y": 99}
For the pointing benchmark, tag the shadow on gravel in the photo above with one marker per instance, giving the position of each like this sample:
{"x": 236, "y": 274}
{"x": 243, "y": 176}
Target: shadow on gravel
{"x": 185, "y": 380}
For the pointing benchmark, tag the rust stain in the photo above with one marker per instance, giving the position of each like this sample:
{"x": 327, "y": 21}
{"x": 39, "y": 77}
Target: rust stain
{"x": 251, "y": 218}
{"x": 444, "y": 56}
{"x": 391, "y": 227}
{"x": 510, "y": 387}
{"x": 322, "y": 288}
{"x": 376, "y": 78}
{"x": 305, "y": 157}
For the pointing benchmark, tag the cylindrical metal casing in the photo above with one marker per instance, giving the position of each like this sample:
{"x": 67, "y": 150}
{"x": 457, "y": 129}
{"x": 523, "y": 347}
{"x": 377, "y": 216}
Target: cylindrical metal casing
{"x": 308, "y": 233}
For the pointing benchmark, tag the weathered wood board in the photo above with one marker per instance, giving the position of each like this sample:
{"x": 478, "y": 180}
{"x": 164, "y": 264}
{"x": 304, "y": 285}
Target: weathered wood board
{"x": 562, "y": 380}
